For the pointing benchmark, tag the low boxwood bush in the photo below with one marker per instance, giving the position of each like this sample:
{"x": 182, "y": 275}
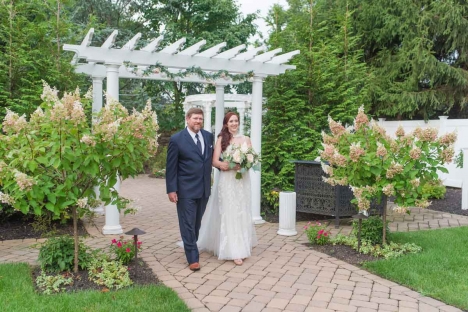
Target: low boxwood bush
{"x": 57, "y": 254}
{"x": 434, "y": 189}
{"x": 371, "y": 229}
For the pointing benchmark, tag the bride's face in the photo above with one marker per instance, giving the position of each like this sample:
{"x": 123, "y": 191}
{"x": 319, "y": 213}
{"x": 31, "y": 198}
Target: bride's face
{"x": 233, "y": 124}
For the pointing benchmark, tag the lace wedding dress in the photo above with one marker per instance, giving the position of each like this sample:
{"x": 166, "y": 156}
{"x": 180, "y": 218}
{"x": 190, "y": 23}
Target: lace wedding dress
{"x": 227, "y": 229}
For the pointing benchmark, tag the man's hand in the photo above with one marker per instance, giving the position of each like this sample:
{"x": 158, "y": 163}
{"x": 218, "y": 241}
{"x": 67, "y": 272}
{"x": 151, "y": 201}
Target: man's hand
{"x": 173, "y": 197}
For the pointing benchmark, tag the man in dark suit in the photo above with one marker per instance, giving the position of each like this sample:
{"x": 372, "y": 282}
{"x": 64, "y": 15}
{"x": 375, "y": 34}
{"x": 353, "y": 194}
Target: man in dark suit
{"x": 188, "y": 179}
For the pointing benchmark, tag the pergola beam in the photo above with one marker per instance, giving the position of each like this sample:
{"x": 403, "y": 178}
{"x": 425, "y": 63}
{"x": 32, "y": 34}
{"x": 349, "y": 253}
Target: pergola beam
{"x": 144, "y": 58}
{"x": 99, "y": 71}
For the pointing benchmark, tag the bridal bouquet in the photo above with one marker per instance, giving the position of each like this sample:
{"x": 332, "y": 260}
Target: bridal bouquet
{"x": 242, "y": 155}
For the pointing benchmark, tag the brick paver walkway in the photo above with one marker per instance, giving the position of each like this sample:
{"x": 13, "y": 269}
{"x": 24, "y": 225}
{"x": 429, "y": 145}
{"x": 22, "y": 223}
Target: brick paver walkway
{"x": 282, "y": 274}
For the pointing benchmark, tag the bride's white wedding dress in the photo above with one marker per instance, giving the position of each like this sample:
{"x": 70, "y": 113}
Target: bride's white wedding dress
{"x": 227, "y": 229}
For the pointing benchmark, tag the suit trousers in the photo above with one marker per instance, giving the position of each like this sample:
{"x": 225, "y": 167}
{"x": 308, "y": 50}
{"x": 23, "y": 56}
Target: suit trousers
{"x": 190, "y": 212}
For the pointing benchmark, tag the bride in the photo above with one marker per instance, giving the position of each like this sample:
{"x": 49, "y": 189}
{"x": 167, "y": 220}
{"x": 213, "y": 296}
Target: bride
{"x": 227, "y": 229}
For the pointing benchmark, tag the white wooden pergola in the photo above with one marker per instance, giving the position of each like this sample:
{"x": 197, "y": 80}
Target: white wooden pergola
{"x": 107, "y": 62}
{"x": 241, "y": 102}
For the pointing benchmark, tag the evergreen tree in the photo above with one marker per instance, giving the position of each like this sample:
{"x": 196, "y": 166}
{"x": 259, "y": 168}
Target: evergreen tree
{"x": 331, "y": 78}
{"x": 32, "y": 33}
{"x": 418, "y": 50}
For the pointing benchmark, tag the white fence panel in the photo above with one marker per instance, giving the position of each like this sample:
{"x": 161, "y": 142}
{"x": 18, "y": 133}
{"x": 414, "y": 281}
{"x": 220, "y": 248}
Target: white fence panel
{"x": 455, "y": 176}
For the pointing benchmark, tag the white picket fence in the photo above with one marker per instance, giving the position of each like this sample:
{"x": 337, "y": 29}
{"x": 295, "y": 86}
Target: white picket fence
{"x": 457, "y": 177}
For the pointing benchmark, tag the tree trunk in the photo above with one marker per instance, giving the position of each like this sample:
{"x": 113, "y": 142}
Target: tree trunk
{"x": 384, "y": 221}
{"x": 75, "y": 236}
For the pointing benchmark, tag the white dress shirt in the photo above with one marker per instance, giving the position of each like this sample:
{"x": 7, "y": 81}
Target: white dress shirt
{"x": 200, "y": 137}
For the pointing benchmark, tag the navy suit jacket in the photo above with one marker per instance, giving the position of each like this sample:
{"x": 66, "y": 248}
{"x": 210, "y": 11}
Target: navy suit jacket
{"x": 188, "y": 172}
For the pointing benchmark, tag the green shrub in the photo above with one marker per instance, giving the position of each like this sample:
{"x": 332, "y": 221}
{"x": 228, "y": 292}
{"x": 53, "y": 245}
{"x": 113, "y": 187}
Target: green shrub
{"x": 112, "y": 274}
{"x": 50, "y": 284}
{"x": 317, "y": 233}
{"x": 160, "y": 174}
{"x": 434, "y": 189}
{"x": 388, "y": 251}
{"x": 272, "y": 200}
{"x": 371, "y": 229}
{"x": 159, "y": 161}
{"x": 57, "y": 254}
{"x": 458, "y": 161}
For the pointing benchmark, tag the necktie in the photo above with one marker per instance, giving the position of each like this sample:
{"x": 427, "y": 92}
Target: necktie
{"x": 198, "y": 143}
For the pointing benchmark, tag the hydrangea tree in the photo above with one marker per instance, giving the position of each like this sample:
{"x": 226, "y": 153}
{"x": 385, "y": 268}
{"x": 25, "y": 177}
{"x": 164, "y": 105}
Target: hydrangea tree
{"x": 373, "y": 164}
{"x": 53, "y": 160}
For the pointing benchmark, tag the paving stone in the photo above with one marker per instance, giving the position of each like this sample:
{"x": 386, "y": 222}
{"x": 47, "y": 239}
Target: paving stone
{"x": 216, "y": 299}
{"x": 229, "y": 308}
{"x": 341, "y": 307}
{"x": 339, "y": 293}
{"x": 214, "y": 307}
{"x": 261, "y": 299}
{"x": 253, "y": 307}
{"x": 278, "y": 303}
{"x": 238, "y": 303}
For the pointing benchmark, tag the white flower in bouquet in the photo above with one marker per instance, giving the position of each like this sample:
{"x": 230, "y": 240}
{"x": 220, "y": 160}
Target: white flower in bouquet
{"x": 241, "y": 155}
{"x": 244, "y": 148}
{"x": 236, "y": 156}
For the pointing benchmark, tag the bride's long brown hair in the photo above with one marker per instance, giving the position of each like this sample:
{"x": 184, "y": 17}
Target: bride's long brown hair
{"x": 225, "y": 135}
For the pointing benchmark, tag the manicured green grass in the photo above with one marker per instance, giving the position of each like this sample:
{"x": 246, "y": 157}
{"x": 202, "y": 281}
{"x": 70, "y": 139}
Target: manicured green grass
{"x": 17, "y": 295}
{"x": 439, "y": 271}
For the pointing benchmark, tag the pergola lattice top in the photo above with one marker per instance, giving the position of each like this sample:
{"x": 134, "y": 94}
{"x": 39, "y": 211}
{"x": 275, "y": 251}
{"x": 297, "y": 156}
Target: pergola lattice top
{"x": 211, "y": 60}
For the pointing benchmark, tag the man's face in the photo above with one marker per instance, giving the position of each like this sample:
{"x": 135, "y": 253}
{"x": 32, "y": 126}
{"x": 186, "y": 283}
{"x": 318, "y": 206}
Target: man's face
{"x": 195, "y": 122}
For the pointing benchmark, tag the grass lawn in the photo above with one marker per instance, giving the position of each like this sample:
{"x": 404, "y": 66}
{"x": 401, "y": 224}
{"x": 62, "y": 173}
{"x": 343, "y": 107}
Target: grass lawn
{"x": 17, "y": 294}
{"x": 439, "y": 271}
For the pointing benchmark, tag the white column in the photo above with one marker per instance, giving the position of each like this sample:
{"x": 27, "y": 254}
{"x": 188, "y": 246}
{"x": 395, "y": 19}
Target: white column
{"x": 97, "y": 94}
{"x": 112, "y": 225}
{"x": 186, "y": 108}
{"x": 97, "y": 106}
{"x": 241, "y": 112}
{"x": 207, "y": 118}
{"x": 219, "y": 107}
{"x": 465, "y": 179}
{"x": 287, "y": 214}
{"x": 256, "y": 137}
{"x": 218, "y": 118}
{"x": 442, "y": 125}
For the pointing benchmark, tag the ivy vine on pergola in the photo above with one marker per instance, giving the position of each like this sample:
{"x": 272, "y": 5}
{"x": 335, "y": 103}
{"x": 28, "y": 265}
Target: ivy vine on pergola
{"x": 187, "y": 65}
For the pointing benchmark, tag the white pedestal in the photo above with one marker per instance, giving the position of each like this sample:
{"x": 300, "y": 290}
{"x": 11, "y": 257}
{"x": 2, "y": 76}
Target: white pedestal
{"x": 112, "y": 225}
{"x": 99, "y": 210}
{"x": 287, "y": 214}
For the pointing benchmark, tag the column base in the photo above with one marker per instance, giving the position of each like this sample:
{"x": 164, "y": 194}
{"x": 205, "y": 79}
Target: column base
{"x": 286, "y": 232}
{"x": 112, "y": 229}
{"x": 258, "y": 220}
{"x": 99, "y": 210}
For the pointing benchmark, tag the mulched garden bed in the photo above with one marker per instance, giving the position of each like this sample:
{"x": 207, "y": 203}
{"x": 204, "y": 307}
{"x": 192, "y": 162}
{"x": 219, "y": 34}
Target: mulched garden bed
{"x": 140, "y": 273}
{"x": 344, "y": 253}
{"x": 20, "y": 226}
{"x": 451, "y": 203}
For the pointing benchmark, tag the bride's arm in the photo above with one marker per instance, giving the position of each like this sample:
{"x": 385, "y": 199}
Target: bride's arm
{"x": 217, "y": 153}
{"x": 247, "y": 140}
